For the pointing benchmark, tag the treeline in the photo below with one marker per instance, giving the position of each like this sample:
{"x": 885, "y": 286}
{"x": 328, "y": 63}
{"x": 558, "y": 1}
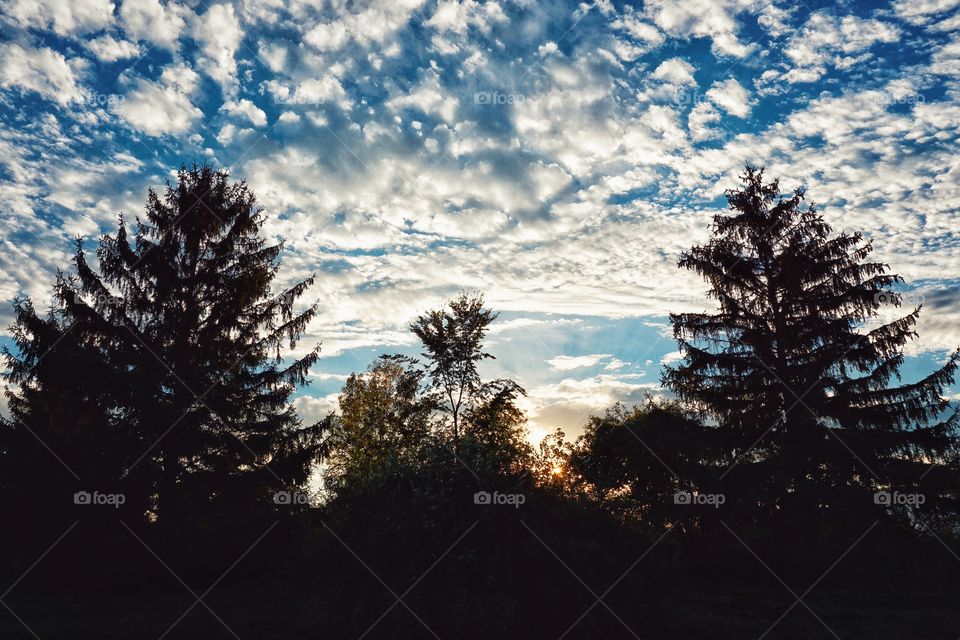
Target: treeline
{"x": 150, "y": 417}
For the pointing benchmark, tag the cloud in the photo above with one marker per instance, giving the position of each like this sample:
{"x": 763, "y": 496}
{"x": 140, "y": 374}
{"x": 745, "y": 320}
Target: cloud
{"x": 827, "y": 40}
{"x": 325, "y": 89}
{"x": 64, "y": 18}
{"x": 311, "y": 409}
{"x": 153, "y": 21}
{"x": 109, "y": 49}
{"x": 676, "y": 71}
{"x": 327, "y": 36}
{"x": 219, "y": 33}
{"x": 567, "y": 404}
{"x": 377, "y": 24}
{"x": 715, "y": 20}
{"x": 245, "y": 109}
{"x": 670, "y": 358}
{"x": 164, "y": 106}
{"x": 568, "y": 363}
{"x": 700, "y": 119}
{"x": 42, "y": 70}
{"x": 645, "y": 36}
{"x": 615, "y": 364}
{"x": 923, "y": 11}
{"x": 457, "y": 16}
{"x": 730, "y": 96}
{"x": 571, "y": 196}
{"x": 428, "y": 96}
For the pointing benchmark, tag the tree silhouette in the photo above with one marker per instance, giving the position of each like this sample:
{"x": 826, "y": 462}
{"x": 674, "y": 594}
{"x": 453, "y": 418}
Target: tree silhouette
{"x": 452, "y": 339}
{"x": 635, "y": 461}
{"x": 177, "y": 343}
{"x": 69, "y": 426}
{"x": 789, "y": 366}
{"x": 453, "y": 343}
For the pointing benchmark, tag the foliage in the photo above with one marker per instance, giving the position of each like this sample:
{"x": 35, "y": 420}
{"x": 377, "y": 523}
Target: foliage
{"x": 434, "y": 424}
{"x": 635, "y": 461}
{"x": 384, "y": 420}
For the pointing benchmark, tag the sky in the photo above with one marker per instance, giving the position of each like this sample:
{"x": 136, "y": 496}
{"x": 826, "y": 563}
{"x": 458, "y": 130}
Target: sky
{"x": 557, "y": 156}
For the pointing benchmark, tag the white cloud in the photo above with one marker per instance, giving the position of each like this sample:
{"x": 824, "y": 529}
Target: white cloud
{"x": 109, "y": 49}
{"x": 715, "y": 20}
{"x": 517, "y": 324}
{"x": 568, "y": 363}
{"x": 647, "y": 36}
{"x": 65, "y": 18}
{"x": 730, "y": 96}
{"x": 377, "y": 24}
{"x": 676, "y": 71}
{"x": 568, "y": 403}
{"x": 775, "y": 19}
{"x": 615, "y": 364}
{"x": 457, "y": 16}
{"x": 42, "y": 70}
{"x": 923, "y": 11}
{"x": 326, "y": 89}
{"x": 226, "y": 134}
{"x": 327, "y": 36}
{"x": 154, "y": 22}
{"x": 219, "y": 33}
{"x": 945, "y": 60}
{"x": 535, "y": 203}
{"x": 164, "y": 106}
{"x": 244, "y": 108}
{"x": 699, "y": 120}
{"x": 547, "y": 48}
{"x": 311, "y": 409}
{"x": 827, "y": 40}
{"x": 427, "y": 96}
{"x": 670, "y": 358}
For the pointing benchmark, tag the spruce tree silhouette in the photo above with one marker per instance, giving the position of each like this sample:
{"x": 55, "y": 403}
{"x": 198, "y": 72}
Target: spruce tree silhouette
{"x": 161, "y": 376}
{"x": 790, "y": 371}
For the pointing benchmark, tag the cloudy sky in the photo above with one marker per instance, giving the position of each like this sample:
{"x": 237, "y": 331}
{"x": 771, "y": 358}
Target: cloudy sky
{"x": 556, "y": 155}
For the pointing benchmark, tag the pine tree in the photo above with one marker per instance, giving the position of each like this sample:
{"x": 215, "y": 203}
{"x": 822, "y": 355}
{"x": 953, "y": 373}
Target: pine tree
{"x": 794, "y": 366}
{"x": 181, "y": 334}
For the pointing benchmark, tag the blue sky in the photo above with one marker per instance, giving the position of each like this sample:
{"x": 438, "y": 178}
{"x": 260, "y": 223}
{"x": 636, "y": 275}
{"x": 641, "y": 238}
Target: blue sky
{"x": 556, "y": 155}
